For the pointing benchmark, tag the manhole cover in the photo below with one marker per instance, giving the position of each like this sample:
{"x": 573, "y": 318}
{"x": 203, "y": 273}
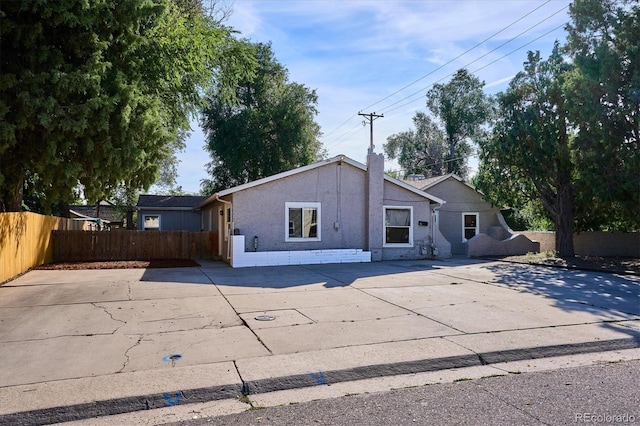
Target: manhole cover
{"x": 265, "y": 318}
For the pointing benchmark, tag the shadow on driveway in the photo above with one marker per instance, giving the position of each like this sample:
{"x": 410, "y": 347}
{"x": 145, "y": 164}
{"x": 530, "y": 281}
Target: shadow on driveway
{"x": 574, "y": 289}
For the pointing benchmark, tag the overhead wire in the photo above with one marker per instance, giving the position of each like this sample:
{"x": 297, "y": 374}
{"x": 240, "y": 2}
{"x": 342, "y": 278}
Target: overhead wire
{"x": 439, "y": 68}
{"x": 474, "y": 71}
{"x": 420, "y": 92}
{"x": 457, "y": 57}
{"x": 385, "y": 109}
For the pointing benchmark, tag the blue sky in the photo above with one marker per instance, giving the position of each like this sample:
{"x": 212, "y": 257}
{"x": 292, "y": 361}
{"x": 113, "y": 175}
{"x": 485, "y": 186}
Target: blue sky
{"x": 362, "y": 55}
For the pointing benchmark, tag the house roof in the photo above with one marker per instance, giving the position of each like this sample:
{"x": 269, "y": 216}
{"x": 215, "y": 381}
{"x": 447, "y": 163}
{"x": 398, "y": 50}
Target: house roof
{"x": 169, "y": 202}
{"x": 425, "y": 184}
{"x": 336, "y": 159}
{"x": 108, "y": 211}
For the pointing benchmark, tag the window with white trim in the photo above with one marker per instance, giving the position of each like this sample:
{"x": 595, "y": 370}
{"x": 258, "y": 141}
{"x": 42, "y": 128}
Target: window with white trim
{"x": 470, "y": 225}
{"x": 151, "y": 222}
{"x": 398, "y": 226}
{"x": 302, "y": 221}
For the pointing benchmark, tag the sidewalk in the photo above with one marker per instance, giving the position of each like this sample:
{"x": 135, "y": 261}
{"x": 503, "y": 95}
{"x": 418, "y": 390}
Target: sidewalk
{"x": 80, "y": 344}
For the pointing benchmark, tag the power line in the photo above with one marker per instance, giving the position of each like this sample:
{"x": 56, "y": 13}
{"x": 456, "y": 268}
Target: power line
{"x": 439, "y": 68}
{"x": 474, "y": 71}
{"x": 458, "y": 57}
{"x": 479, "y": 58}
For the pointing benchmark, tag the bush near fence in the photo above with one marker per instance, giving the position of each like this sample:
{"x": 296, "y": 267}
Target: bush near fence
{"x": 25, "y": 241}
{"x": 76, "y": 246}
{"x": 605, "y": 244}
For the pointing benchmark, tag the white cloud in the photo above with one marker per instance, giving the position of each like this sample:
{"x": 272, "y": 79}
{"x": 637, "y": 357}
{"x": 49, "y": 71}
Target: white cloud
{"x": 355, "y": 53}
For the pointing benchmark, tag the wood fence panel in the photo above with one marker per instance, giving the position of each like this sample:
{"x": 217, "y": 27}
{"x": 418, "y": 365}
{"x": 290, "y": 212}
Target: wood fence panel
{"x": 79, "y": 246}
{"x": 25, "y": 241}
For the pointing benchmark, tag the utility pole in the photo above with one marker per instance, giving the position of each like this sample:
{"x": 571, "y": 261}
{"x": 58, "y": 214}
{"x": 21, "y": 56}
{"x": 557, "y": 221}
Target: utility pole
{"x": 369, "y": 118}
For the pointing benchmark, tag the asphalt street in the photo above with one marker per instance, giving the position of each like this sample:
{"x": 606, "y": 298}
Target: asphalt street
{"x": 599, "y": 394}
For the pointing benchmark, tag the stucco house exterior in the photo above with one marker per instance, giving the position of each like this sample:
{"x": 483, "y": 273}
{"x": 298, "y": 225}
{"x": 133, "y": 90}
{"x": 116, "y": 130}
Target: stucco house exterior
{"x": 466, "y": 216}
{"x": 169, "y": 213}
{"x": 332, "y": 211}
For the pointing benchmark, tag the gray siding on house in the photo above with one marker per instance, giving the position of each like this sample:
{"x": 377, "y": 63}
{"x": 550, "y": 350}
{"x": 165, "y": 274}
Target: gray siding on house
{"x": 460, "y": 198}
{"x": 173, "y": 220}
{"x": 260, "y": 211}
{"x": 341, "y": 190}
{"x": 396, "y": 196}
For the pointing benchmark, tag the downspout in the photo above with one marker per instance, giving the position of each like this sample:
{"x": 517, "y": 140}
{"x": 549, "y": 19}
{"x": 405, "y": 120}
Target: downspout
{"x": 434, "y": 248}
{"x": 230, "y": 204}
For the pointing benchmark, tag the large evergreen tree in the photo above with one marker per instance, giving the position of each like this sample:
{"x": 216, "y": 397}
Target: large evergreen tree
{"x": 604, "y": 103}
{"x": 269, "y": 129}
{"x": 530, "y": 156}
{"x": 567, "y": 133}
{"x": 95, "y": 92}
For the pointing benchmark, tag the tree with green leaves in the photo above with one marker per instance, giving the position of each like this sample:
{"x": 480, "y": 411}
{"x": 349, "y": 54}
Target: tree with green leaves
{"x": 94, "y": 93}
{"x": 604, "y": 103}
{"x": 420, "y": 151}
{"x": 529, "y": 156}
{"x": 567, "y": 133}
{"x": 271, "y": 128}
{"x": 462, "y": 107}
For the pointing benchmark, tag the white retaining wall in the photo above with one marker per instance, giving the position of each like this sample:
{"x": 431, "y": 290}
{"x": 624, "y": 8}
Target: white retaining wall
{"x": 242, "y": 259}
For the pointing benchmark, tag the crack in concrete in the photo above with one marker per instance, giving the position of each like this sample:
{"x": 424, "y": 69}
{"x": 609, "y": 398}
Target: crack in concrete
{"x": 510, "y": 404}
{"x": 245, "y": 391}
{"x": 480, "y": 358}
{"x": 126, "y": 353}
{"x": 412, "y": 311}
{"x": 106, "y": 311}
{"x": 57, "y": 337}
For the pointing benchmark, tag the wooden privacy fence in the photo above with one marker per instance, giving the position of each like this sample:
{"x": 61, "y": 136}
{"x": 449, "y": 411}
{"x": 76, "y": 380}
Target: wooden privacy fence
{"x": 25, "y": 241}
{"x": 77, "y": 246}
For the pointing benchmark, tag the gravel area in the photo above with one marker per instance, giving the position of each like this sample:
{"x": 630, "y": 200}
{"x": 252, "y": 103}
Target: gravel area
{"x": 121, "y": 264}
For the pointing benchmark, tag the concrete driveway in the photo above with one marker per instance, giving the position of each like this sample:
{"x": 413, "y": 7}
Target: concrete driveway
{"x": 137, "y": 339}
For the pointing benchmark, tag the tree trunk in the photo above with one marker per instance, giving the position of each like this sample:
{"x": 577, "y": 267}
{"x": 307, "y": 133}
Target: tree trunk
{"x": 564, "y": 222}
{"x": 11, "y": 194}
{"x": 452, "y": 155}
{"x": 129, "y": 219}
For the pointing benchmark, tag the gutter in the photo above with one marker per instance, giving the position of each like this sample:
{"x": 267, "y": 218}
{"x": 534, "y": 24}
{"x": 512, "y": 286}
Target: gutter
{"x": 434, "y": 248}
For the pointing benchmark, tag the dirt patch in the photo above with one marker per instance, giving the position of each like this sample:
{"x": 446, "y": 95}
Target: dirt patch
{"x": 619, "y": 265}
{"x": 122, "y": 264}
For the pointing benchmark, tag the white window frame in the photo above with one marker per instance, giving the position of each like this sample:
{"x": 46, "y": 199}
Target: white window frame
{"x": 302, "y": 205}
{"x": 159, "y": 216}
{"x": 411, "y": 225}
{"x": 477, "y": 229}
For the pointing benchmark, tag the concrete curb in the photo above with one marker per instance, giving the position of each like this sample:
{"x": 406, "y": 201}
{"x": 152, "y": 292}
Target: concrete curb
{"x": 146, "y": 402}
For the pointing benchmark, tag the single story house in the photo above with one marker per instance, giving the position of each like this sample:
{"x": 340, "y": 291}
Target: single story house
{"x": 332, "y": 211}
{"x": 101, "y": 216}
{"x": 169, "y": 212}
{"x": 466, "y": 215}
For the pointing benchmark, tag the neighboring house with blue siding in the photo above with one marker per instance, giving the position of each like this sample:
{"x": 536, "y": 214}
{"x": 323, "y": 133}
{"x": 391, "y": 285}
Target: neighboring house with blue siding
{"x": 169, "y": 212}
